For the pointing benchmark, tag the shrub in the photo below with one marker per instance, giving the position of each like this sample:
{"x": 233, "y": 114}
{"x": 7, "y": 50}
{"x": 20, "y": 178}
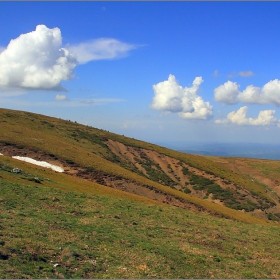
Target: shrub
{"x": 199, "y": 180}
{"x": 187, "y": 190}
{"x": 69, "y": 161}
{"x": 186, "y": 171}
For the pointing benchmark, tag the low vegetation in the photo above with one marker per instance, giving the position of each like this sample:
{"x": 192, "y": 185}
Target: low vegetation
{"x": 77, "y": 224}
{"x": 85, "y": 150}
{"x": 52, "y": 233}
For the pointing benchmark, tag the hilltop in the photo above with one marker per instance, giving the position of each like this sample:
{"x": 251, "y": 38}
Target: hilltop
{"x": 127, "y": 195}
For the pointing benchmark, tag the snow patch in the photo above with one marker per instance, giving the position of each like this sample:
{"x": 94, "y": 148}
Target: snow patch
{"x": 1, "y": 154}
{"x": 40, "y": 163}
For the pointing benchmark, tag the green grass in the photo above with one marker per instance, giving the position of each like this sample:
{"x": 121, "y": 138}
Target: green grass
{"x": 96, "y": 236}
{"x": 58, "y": 226}
{"x": 267, "y": 167}
{"x": 41, "y": 133}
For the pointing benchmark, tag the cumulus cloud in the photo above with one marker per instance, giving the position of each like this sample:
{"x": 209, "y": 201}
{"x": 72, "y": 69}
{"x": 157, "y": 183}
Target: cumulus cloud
{"x": 103, "y": 48}
{"x": 229, "y": 93}
{"x": 265, "y": 117}
{"x": 270, "y": 92}
{"x": 226, "y": 93}
{"x": 36, "y": 60}
{"x": 169, "y": 96}
{"x": 97, "y": 101}
{"x": 61, "y": 97}
{"x": 251, "y": 94}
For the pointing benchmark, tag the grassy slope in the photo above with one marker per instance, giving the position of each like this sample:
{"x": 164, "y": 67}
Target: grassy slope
{"x": 66, "y": 227}
{"x": 84, "y": 145}
{"x": 58, "y": 226}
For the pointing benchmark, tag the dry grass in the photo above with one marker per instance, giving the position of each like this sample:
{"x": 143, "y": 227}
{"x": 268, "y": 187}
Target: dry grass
{"x": 69, "y": 234}
{"x": 85, "y": 147}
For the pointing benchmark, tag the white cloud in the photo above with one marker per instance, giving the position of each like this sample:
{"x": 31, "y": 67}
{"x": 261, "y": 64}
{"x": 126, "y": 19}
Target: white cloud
{"x": 229, "y": 93}
{"x": 103, "y": 48}
{"x": 36, "y": 60}
{"x": 251, "y": 94}
{"x": 61, "y": 97}
{"x": 271, "y": 92}
{"x": 97, "y": 101}
{"x": 226, "y": 93}
{"x": 245, "y": 73}
{"x": 10, "y": 93}
{"x": 171, "y": 97}
{"x": 201, "y": 110}
{"x": 265, "y": 117}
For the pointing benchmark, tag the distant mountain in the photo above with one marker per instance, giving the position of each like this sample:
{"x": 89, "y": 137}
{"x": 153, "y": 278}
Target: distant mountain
{"x": 250, "y": 150}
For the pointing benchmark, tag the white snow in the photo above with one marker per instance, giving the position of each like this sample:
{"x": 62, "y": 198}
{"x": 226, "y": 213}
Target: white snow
{"x": 40, "y": 163}
{"x": 1, "y": 154}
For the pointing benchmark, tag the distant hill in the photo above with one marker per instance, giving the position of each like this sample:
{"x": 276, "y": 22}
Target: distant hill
{"x": 236, "y": 149}
{"x": 250, "y": 150}
{"x": 124, "y": 181}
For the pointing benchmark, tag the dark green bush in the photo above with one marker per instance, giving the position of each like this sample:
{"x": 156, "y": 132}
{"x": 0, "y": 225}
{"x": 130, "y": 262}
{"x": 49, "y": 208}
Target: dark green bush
{"x": 69, "y": 161}
{"x": 186, "y": 190}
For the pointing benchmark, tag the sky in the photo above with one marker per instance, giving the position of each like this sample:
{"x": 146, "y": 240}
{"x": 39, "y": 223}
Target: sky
{"x": 154, "y": 71}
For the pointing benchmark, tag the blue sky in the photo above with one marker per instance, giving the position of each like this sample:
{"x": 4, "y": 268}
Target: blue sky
{"x": 155, "y": 71}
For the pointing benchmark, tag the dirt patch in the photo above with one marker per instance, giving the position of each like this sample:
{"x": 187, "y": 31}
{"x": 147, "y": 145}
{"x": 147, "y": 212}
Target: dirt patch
{"x": 171, "y": 167}
{"x": 101, "y": 177}
{"x": 126, "y": 153}
{"x": 95, "y": 175}
{"x": 141, "y": 159}
{"x": 134, "y": 187}
{"x": 241, "y": 166}
{"x": 173, "y": 173}
{"x": 146, "y": 191}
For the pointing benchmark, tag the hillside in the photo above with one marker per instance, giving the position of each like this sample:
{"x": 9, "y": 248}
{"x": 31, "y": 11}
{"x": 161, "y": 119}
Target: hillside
{"x": 220, "y": 186}
{"x": 65, "y": 228}
{"x": 124, "y": 208}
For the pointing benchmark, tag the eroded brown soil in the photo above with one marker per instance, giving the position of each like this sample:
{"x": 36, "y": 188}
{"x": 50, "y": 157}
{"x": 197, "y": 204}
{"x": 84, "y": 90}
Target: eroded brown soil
{"x": 171, "y": 167}
{"x": 97, "y": 176}
{"x": 241, "y": 166}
